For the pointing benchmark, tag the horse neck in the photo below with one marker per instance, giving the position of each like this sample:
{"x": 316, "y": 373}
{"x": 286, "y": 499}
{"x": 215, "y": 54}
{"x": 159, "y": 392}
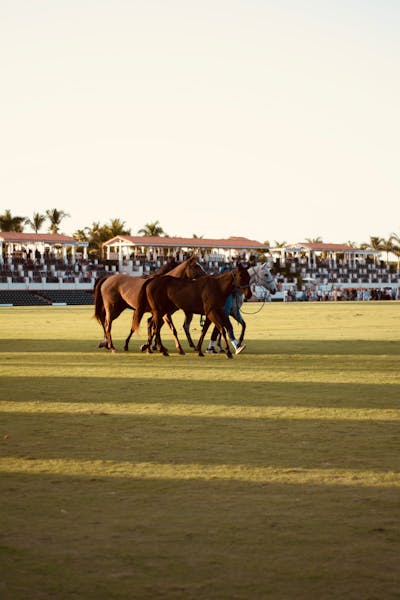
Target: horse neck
{"x": 226, "y": 282}
{"x": 179, "y": 271}
{"x": 188, "y": 270}
{"x": 253, "y": 274}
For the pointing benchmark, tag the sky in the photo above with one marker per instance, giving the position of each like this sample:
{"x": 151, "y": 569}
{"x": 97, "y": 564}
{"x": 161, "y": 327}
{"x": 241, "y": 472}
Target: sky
{"x": 276, "y": 120}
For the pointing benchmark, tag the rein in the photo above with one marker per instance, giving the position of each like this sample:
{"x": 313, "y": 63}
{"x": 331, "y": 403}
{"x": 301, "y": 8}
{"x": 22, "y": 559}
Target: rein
{"x": 262, "y": 282}
{"x": 245, "y": 312}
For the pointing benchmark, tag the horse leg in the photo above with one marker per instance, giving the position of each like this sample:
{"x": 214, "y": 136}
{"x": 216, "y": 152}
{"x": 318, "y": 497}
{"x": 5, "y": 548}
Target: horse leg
{"x": 168, "y": 320}
{"x": 126, "y": 345}
{"x": 219, "y": 343}
{"x": 227, "y": 349}
{"x": 150, "y": 335}
{"x": 127, "y": 340}
{"x": 107, "y": 329}
{"x": 243, "y": 324}
{"x": 104, "y": 342}
{"x": 219, "y": 318}
{"x": 206, "y": 325}
{"x": 155, "y": 330}
{"x": 111, "y": 312}
{"x": 186, "y": 327}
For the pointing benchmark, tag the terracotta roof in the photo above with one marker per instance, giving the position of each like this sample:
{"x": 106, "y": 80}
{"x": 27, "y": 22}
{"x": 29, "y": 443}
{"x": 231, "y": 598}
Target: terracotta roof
{"x": 47, "y": 238}
{"x": 239, "y": 243}
{"x": 322, "y": 247}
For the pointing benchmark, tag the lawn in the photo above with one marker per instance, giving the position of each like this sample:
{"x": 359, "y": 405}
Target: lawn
{"x": 275, "y": 475}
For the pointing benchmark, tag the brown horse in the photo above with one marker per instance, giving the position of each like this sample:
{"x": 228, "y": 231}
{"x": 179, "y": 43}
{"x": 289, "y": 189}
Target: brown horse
{"x": 204, "y": 296}
{"x": 114, "y": 293}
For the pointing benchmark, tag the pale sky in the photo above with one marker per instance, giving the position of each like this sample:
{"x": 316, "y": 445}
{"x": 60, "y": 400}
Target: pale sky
{"x": 274, "y": 120}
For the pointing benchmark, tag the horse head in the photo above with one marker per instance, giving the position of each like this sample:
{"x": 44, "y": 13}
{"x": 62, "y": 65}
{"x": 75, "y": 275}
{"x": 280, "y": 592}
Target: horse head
{"x": 241, "y": 279}
{"x": 188, "y": 269}
{"x": 193, "y": 269}
{"x": 261, "y": 275}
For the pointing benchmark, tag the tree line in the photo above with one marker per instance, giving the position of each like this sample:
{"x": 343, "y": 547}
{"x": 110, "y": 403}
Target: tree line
{"x": 97, "y": 234}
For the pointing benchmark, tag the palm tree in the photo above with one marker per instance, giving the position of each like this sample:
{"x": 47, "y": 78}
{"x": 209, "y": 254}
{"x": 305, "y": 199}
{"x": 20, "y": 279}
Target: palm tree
{"x": 55, "y": 217}
{"x": 93, "y": 235}
{"x": 277, "y": 244}
{"x": 376, "y": 242}
{"x": 81, "y": 235}
{"x": 395, "y": 240}
{"x": 10, "y": 223}
{"x": 117, "y": 227}
{"x": 387, "y": 246}
{"x": 97, "y": 234}
{"x": 317, "y": 240}
{"x": 152, "y": 229}
{"x": 36, "y": 222}
{"x": 200, "y": 251}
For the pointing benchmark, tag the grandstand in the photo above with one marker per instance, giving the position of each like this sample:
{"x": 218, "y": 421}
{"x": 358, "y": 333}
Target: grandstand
{"x": 303, "y": 271}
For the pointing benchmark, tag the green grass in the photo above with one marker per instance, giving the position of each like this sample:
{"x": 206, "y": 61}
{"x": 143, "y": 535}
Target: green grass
{"x": 275, "y": 475}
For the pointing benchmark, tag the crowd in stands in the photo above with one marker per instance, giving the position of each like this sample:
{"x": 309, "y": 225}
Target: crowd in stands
{"x": 324, "y": 279}
{"x": 49, "y": 269}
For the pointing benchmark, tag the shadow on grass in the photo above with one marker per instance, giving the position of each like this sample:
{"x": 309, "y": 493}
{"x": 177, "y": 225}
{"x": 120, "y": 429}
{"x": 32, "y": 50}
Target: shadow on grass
{"x": 310, "y": 443}
{"x": 101, "y": 538}
{"x": 132, "y": 390}
{"x": 290, "y": 347}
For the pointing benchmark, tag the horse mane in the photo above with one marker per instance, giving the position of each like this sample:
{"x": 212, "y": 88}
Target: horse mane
{"x": 165, "y": 268}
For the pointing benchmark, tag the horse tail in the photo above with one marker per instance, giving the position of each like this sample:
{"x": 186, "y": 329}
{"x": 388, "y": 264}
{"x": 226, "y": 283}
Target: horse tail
{"x": 99, "y": 311}
{"x": 141, "y": 306}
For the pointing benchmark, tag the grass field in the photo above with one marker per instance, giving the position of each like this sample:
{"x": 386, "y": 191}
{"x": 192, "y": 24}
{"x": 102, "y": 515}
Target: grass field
{"x": 275, "y": 475}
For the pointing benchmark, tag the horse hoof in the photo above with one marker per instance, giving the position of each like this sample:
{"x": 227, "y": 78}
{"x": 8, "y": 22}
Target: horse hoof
{"x": 229, "y": 355}
{"x": 143, "y": 347}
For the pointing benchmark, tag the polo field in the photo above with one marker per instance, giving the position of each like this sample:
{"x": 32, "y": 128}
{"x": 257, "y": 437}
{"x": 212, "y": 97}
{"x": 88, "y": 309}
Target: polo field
{"x": 275, "y": 475}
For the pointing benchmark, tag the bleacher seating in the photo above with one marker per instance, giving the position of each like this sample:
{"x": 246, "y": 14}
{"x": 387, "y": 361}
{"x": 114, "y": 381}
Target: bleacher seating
{"x": 21, "y": 298}
{"x": 44, "y": 298}
{"x": 43, "y": 280}
{"x": 75, "y": 297}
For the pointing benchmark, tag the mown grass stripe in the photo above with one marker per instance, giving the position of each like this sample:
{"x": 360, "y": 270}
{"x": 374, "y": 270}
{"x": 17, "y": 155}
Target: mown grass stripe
{"x": 203, "y": 410}
{"x": 149, "y": 470}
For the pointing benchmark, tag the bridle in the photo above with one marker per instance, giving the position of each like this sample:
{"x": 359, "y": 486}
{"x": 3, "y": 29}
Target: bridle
{"x": 239, "y": 287}
{"x": 264, "y": 281}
